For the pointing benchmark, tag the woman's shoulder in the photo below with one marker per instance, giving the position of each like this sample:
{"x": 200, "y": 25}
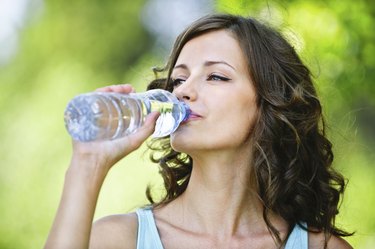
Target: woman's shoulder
{"x": 115, "y": 231}
{"x": 316, "y": 241}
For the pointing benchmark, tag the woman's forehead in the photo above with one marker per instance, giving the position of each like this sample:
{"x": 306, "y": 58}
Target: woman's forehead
{"x": 217, "y": 46}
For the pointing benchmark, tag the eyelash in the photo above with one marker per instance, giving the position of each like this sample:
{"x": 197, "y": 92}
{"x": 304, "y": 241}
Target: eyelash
{"x": 218, "y": 77}
{"x": 211, "y": 77}
{"x": 176, "y": 82}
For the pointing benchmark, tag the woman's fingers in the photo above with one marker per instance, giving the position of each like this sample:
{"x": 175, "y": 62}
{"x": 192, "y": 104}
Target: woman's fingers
{"x": 144, "y": 132}
{"x": 110, "y": 151}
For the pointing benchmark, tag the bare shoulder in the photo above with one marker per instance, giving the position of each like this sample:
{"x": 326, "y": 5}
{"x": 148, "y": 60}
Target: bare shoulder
{"x": 115, "y": 231}
{"x": 316, "y": 241}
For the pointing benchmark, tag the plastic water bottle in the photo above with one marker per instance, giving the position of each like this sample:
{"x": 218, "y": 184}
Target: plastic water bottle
{"x": 105, "y": 116}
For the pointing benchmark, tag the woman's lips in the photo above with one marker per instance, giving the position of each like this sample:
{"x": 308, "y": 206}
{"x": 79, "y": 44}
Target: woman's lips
{"x": 192, "y": 116}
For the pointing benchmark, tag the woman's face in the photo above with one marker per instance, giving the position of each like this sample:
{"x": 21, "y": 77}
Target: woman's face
{"x": 211, "y": 76}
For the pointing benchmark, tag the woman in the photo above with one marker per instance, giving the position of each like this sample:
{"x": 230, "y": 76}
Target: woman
{"x": 250, "y": 168}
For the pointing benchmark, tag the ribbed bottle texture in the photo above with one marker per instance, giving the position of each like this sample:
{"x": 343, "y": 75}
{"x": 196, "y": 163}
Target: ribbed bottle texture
{"x": 105, "y": 116}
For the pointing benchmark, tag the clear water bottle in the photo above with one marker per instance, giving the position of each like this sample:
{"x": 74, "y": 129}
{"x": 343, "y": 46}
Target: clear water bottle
{"x": 105, "y": 116}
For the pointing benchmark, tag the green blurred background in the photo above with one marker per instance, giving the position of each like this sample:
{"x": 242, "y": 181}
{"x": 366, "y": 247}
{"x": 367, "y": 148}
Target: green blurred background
{"x": 52, "y": 50}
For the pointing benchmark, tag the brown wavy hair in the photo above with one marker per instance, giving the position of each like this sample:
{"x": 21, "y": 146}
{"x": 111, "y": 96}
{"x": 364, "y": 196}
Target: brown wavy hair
{"x": 291, "y": 170}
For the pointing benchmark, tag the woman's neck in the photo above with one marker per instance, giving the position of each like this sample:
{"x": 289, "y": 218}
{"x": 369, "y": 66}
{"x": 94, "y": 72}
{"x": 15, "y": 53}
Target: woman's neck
{"x": 220, "y": 194}
{"x": 220, "y": 203}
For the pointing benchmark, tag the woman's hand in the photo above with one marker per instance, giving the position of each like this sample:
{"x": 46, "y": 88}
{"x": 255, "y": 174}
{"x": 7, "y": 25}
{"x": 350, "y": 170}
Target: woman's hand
{"x": 107, "y": 153}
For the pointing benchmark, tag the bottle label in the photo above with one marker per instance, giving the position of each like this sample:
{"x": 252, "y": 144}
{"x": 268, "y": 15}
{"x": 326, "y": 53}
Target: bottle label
{"x": 164, "y": 125}
{"x": 162, "y": 107}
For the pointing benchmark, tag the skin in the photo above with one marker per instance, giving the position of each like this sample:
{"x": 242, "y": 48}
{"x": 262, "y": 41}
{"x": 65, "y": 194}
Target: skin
{"x": 217, "y": 210}
{"x": 89, "y": 166}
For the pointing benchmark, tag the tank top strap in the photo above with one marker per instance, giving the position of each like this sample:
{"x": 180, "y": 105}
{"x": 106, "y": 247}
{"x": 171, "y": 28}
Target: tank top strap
{"x": 148, "y": 236}
{"x": 298, "y": 239}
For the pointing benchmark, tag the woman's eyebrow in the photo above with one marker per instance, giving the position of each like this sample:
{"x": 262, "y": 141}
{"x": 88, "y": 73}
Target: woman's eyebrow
{"x": 210, "y": 63}
{"x": 207, "y": 64}
{"x": 183, "y": 66}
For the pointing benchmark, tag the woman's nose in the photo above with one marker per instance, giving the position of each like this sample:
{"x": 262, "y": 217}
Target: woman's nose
{"x": 186, "y": 91}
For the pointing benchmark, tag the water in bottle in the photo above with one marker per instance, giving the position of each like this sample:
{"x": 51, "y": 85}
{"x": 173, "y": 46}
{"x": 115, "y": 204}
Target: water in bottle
{"x": 105, "y": 116}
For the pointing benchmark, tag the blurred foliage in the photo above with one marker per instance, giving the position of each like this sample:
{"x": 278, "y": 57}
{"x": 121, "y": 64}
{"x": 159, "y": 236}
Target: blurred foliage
{"x": 76, "y": 46}
{"x": 71, "y": 47}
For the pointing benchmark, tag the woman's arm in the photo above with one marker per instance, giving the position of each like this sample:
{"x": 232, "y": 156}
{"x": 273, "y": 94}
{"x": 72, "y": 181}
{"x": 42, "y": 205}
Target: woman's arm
{"x": 72, "y": 224}
{"x": 83, "y": 180}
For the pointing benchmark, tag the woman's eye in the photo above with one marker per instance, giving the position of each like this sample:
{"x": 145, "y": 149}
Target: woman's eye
{"x": 177, "y": 82}
{"x": 217, "y": 78}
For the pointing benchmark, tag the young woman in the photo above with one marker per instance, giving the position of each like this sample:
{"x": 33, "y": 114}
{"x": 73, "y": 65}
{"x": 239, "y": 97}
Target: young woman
{"x": 250, "y": 168}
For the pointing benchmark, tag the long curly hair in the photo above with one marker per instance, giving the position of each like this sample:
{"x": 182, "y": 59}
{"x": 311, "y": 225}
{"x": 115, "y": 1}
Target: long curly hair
{"x": 292, "y": 157}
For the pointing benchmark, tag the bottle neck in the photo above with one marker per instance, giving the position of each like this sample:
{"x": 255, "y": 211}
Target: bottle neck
{"x": 187, "y": 110}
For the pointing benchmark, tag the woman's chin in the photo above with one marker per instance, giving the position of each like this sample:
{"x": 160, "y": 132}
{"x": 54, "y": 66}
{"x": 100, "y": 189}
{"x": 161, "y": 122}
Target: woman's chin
{"x": 181, "y": 142}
